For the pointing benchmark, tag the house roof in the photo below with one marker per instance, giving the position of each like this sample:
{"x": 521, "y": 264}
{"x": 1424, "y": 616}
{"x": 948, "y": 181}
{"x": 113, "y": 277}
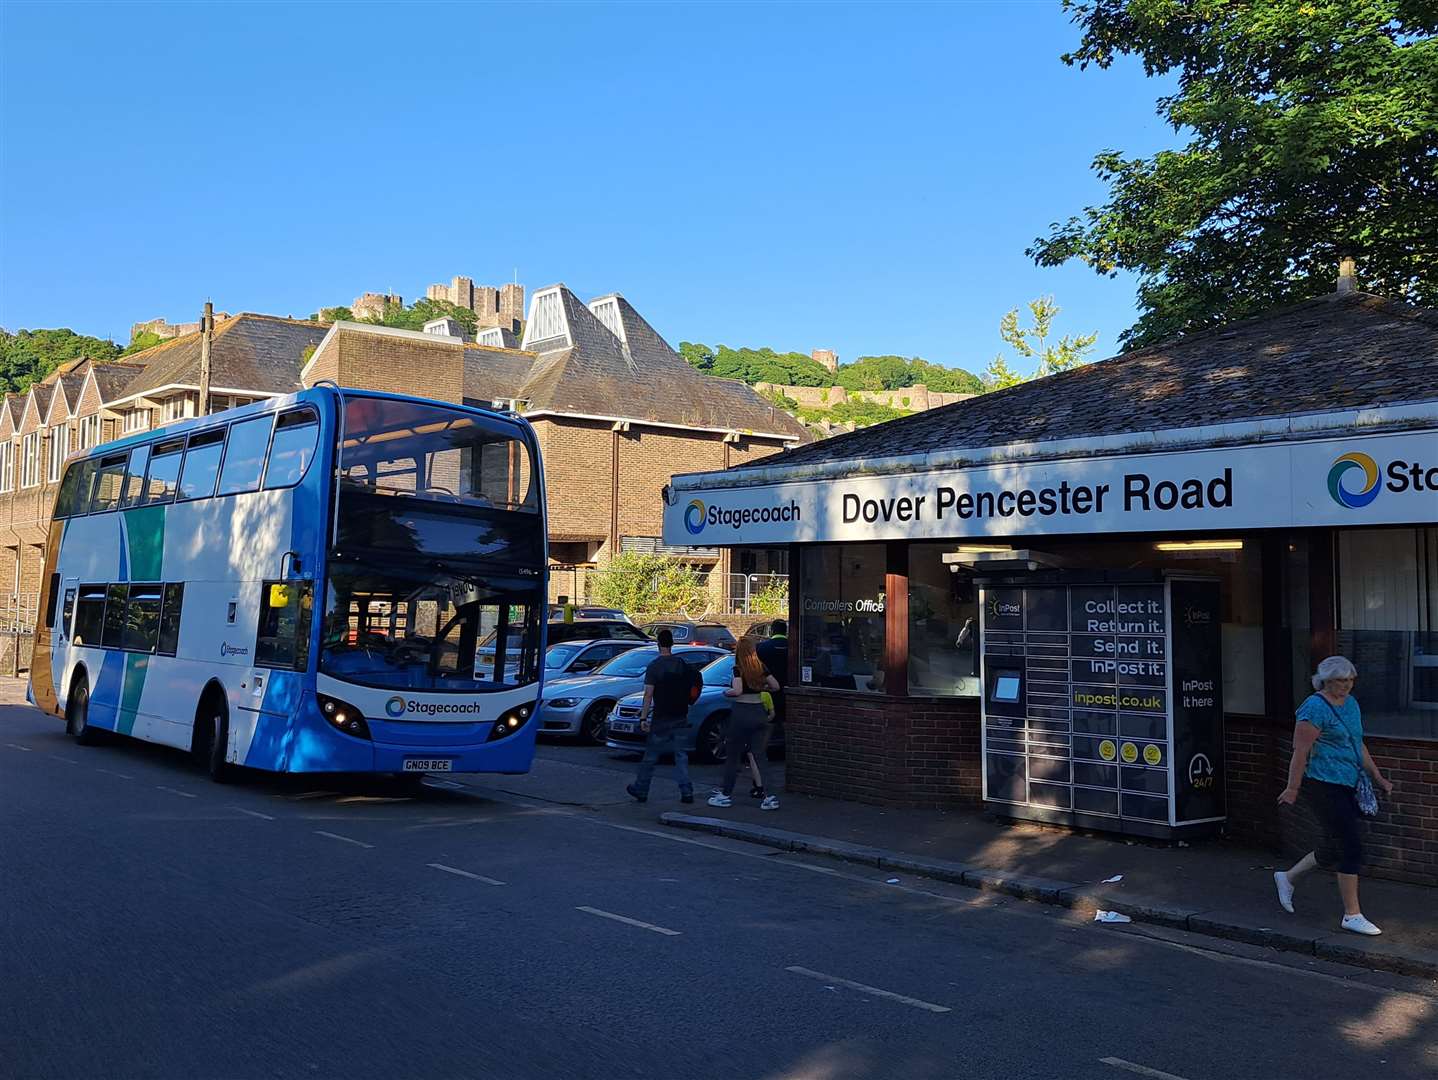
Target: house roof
{"x": 1336, "y": 352}
{"x": 248, "y": 352}
{"x": 605, "y": 360}
{"x": 113, "y": 380}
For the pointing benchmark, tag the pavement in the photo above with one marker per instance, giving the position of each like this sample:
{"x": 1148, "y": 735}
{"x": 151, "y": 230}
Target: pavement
{"x": 156, "y": 924}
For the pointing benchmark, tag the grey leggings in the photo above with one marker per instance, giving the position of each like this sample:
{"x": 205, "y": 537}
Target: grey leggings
{"x": 747, "y": 722}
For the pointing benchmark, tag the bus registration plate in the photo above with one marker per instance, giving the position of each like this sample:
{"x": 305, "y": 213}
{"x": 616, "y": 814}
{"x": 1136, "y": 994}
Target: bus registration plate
{"x": 428, "y": 764}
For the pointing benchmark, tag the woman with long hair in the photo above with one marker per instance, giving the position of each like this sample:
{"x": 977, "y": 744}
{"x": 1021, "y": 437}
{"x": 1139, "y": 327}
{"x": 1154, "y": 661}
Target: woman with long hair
{"x": 747, "y": 720}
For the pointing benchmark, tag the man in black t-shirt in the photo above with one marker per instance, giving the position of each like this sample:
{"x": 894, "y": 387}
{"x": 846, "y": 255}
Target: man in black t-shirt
{"x": 670, "y": 685}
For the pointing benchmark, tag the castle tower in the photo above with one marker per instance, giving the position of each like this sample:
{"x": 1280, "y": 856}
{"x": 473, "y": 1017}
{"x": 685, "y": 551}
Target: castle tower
{"x": 827, "y": 357}
{"x": 511, "y": 302}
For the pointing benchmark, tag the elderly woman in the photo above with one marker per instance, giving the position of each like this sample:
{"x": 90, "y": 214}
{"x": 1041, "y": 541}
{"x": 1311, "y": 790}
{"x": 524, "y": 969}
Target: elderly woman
{"x": 1328, "y": 753}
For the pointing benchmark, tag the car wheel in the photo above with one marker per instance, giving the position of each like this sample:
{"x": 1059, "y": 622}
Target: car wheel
{"x": 594, "y": 727}
{"x": 77, "y": 715}
{"x": 711, "y": 745}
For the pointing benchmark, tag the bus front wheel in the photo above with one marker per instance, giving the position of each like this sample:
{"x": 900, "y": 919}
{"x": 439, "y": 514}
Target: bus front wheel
{"x": 77, "y": 714}
{"x": 213, "y": 724}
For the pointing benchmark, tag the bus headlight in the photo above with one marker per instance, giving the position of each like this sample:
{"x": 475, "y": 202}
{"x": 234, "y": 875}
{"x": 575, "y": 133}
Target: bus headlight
{"x": 343, "y": 716}
{"x": 511, "y": 721}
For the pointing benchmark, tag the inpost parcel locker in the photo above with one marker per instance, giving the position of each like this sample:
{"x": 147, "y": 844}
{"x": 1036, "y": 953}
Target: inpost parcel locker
{"x": 1102, "y": 703}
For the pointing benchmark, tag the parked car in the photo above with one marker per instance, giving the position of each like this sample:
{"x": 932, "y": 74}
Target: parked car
{"x": 580, "y": 704}
{"x": 556, "y": 613}
{"x": 595, "y": 630}
{"x": 708, "y": 718}
{"x": 695, "y": 633}
{"x": 760, "y": 630}
{"x": 580, "y": 657}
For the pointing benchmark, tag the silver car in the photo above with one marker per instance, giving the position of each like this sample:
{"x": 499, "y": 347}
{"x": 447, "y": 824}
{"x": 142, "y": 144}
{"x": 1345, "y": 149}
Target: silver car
{"x": 580, "y": 704}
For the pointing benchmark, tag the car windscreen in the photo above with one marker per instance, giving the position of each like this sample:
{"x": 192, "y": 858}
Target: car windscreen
{"x": 556, "y": 656}
{"x": 628, "y": 663}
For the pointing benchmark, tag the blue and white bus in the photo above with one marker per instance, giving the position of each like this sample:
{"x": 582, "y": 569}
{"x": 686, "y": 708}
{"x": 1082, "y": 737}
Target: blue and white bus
{"x": 304, "y": 585}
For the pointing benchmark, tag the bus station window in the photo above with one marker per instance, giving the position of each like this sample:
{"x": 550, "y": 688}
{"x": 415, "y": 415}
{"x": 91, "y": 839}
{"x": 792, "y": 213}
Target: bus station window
{"x": 245, "y": 456}
{"x": 842, "y": 616}
{"x": 168, "y": 640}
{"x": 90, "y": 615}
{"x": 114, "y": 633}
{"x": 142, "y": 617}
{"x": 135, "y": 476}
{"x": 164, "y": 476}
{"x": 202, "y": 465}
{"x": 109, "y": 480}
{"x": 943, "y": 624}
{"x": 297, "y": 434}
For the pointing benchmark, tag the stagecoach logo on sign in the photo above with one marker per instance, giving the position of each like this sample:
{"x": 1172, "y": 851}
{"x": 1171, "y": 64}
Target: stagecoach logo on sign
{"x": 697, "y": 515}
{"x": 1355, "y": 479}
{"x": 694, "y": 517}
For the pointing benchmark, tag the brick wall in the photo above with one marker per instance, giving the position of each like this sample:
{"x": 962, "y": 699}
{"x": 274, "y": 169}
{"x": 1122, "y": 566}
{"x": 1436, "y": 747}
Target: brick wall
{"x": 871, "y": 748}
{"x": 579, "y": 475}
{"x": 647, "y": 461}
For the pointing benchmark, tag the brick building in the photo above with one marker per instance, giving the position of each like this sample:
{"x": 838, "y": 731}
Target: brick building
{"x": 1289, "y": 462}
{"x": 615, "y": 408}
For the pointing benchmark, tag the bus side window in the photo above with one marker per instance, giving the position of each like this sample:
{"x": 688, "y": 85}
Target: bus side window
{"x": 135, "y": 477}
{"x": 90, "y": 615}
{"x": 202, "y": 465}
{"x": 142, "y": 618}
{"x": 109, "y": 479}
{"x": 164, "y": 475}
{"x": 67, "y": 613}
{"x": 114, "y": 632}
{"x": 284, "y": 634}
{"x": 74, "y": 497}
{"x": 169, "y": 639}
{"x": 51, "y": 599}
{"x": 245, "y": 456}
{"x": 296, "y": 435}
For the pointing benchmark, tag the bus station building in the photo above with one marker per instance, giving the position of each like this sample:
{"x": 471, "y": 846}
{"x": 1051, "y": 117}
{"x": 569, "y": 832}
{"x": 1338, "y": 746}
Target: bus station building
{"x": 1292, "y": 458}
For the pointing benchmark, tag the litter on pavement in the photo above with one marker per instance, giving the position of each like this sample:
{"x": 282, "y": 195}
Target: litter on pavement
{"x": 1110, "y": 917}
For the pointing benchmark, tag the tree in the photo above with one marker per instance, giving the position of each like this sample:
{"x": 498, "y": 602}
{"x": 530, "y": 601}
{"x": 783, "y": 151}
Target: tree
{"x": 145, "y": 339}
{"x": 765, "y": 365}
{"x": 699, "y": 356}
{"x": 1313, "y": 135}
{"x": 336, "y": 314}
{"x": 422, "y": 311}
{"x": 999, "y": 376}
{"x": 639, "y": 583}
{"x": 1033, "y": 343}
{"x": 27, "y": 356}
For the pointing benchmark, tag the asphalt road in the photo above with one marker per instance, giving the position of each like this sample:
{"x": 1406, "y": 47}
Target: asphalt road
{"x": 153, "y": 924}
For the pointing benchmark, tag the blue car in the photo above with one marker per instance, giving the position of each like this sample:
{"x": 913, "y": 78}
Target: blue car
{"x": 708, "y": 718}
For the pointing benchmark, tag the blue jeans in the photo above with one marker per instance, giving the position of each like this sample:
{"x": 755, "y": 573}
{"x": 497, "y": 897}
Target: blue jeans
{"x": 660, "y": 743}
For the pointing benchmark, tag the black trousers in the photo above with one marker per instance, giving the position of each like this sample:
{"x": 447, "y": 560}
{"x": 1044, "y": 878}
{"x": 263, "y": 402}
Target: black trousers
{"x": 1341, "y": 846}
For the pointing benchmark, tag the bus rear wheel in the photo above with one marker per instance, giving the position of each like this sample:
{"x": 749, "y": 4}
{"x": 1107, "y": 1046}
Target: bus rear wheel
{"x": 77, "y": 714}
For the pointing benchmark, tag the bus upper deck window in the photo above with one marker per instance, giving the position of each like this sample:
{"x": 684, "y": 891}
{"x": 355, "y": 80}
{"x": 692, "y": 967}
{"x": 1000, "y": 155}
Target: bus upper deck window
{"x": 135, "y": 477}
{"x": 163, "y": 478}
{"x": 245, "y": 456}
{"x": 202, "y": 464}
{"x": 74, "y": 497}
{"x": 109, "y": 480}
{"x": 296, "y": 436}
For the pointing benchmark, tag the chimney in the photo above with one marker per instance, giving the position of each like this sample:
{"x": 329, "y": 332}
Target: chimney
{"x": 1346, "y": 269}
{"x": 207, "y": 333}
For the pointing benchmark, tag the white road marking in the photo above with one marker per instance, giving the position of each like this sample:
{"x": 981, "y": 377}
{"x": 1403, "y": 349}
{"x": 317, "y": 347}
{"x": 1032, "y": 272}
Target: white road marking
{"x": 17, "y": 746}
{"x": 112, "y": 772}
{"x": 1142, "y": 1070}
{"x": 66, "y": 760}
{"x": 629, "y": 921}
{"x": 253, "y": 813}
{"x": 176, "y": 791}
{"x": 466, "y": 873}
{"x": 442, "y": 783}
{"x": 871, "y": 990}
{"x": 346, "y": 839}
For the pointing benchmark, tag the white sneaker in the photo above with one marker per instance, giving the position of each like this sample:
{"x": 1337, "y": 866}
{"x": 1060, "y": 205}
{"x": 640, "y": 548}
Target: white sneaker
{"x": 771, "y": 802}
{"x": 1359, "y": 925}
{"x": 1285, "y": 890}
{"x": 720, "y": 799}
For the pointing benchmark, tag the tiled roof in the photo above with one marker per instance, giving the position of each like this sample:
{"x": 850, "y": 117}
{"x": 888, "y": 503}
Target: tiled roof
{"x": 638, "y": 377}
{"x": 248, "y": 352}
{"x": 42, "y": 393}
{"x": 1332, "y": 353}
{"x": 113, "y": 380}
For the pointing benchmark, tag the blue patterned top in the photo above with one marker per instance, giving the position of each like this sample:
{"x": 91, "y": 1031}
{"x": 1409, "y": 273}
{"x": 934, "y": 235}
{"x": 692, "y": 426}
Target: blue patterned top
{"x": 1335, "y": 756}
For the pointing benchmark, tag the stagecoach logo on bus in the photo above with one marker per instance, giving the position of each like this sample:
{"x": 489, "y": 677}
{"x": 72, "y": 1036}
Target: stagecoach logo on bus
{"x": 226, "y": 649}
{"x": 398, "y": 706}
{"x": 1354, "y": 479}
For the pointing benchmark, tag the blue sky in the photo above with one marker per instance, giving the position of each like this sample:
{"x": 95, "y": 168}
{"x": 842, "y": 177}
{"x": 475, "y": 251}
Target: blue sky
{"x": 859, "y": 177}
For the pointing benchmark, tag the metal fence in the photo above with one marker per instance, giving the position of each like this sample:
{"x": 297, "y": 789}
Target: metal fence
{"x": 17, "y": 613}
{"x": 753, "y": 594}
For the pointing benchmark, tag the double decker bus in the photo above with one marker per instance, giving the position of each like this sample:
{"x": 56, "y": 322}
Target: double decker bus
{"x": 332, "y": 581}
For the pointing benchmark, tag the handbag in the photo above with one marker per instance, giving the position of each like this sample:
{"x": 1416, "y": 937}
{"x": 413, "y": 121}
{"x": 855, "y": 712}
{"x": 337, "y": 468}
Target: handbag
{"x": 1364, "y": 796}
